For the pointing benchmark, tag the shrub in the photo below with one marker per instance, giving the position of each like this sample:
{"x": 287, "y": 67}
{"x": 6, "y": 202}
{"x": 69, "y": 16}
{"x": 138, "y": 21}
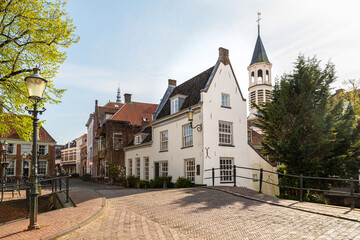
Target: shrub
{"x": 182, "y": 182}
{"x": 131, "y": 181}
{"x": 159, "y": 182}
{"x": 143, "y": 184}
{"x": 114, "y": 172}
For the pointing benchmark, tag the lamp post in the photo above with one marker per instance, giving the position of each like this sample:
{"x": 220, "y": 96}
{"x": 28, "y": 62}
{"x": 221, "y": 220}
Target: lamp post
{"x": 190, "y": 115}
{"x": 35, "y": 86}
{"x": 4, "y": 146}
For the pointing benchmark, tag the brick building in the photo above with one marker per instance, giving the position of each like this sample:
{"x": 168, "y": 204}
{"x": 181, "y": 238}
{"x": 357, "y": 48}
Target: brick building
{"x": 19, "y": 155}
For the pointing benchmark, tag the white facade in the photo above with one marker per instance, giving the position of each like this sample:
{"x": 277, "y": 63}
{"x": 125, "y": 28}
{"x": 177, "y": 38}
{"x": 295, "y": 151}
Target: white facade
{"x": 222, "y": 141}
{"x": 90, "y": 139}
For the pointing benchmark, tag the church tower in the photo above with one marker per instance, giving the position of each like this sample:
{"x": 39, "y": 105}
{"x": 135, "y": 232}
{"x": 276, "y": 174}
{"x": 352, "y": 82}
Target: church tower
{"x": 260, "y": 85}
{"x": 118, "y": 95}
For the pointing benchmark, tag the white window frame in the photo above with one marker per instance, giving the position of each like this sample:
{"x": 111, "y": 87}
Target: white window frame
{"x": 190, "y": 169}
{"x": 11, "y": 146}
{"x": 115, "y": 141}
{"x": 164, "y": 169}
{"x": 226, "y": 171}
{"x": 42, "y": 149}
{"x": 28, "y": 150}
{"x": 174, "y": 106}
{"x": 130, "y": 163}
{"x": 42, "y": 168}
{"x": 137, "y": 139}
{"x": 225, "y": 100}
{"x": 225, "y": 133}
{"x": 187, "y": 136}
{"x": 138, "y": 167}
{"x": 146, "y": 168}
{"x": 13, "y": 162}
{"x": 164, "y": 140}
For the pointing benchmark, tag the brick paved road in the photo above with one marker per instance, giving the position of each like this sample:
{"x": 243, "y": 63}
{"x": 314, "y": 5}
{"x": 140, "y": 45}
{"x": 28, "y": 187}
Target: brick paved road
{"x": 200, "y": 213}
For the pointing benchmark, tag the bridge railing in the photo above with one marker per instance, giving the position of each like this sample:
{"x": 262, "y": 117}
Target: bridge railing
{"x": 297, "y": 182}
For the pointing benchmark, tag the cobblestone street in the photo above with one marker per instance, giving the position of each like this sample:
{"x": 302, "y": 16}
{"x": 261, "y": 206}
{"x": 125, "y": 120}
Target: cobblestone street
{"x": 202, "y": 213}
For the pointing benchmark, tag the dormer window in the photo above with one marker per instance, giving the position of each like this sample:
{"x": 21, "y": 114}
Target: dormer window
{"x": 176, "y": 103}
{"x": 138, "y": 139}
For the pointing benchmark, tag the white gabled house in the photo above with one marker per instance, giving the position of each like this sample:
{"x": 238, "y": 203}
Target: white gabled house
{"x": 218, "y": 139}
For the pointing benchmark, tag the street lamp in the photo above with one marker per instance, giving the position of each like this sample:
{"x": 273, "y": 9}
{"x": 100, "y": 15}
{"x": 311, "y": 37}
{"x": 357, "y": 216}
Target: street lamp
{"x": 35, "y": 85}
{"x": 190, "y": 115}
{"x": 4, "y": 146}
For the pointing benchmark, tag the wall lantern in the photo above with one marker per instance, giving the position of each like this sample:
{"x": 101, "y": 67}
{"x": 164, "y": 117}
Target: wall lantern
{"x": 190, "y": 115}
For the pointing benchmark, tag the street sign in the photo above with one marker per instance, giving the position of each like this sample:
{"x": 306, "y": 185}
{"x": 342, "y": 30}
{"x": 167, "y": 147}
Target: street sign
{"x": 90, "y": 163}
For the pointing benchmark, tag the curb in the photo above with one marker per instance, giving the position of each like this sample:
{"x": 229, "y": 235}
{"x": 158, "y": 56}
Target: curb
{"x": 83, "y": 223}
{"x": 280, "y": 205}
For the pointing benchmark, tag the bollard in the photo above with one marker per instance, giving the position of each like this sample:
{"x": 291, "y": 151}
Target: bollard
{"x": 164, "y": 184}
{"x": 67, "y": 189}
{"x": 352, "y": 193}
{"x": 52, "y": 185}
{"x": 261, "y": 179}
{"x": 213, "y": 176}
{"x": 301, "y": 187}
{"x": 60, "y": 185}
{"x": 234, "y": 172}
{"x": 28, "y": 201}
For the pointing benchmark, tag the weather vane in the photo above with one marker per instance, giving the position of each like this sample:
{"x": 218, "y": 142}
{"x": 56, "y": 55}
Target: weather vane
{"x": 258, "y": 21}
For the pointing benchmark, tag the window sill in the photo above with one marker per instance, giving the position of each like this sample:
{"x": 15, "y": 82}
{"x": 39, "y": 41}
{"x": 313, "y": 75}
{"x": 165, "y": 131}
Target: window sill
{"x": 226, "y": 107}
{"x": 163, "y": 150}
{"x": 187, "y": 147}
{"x": 226, "y": 145}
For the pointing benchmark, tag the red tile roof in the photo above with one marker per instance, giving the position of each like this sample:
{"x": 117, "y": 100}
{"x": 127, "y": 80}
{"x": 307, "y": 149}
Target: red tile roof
{"x": 43, "y": 135}
{"x": 134, "y": 112}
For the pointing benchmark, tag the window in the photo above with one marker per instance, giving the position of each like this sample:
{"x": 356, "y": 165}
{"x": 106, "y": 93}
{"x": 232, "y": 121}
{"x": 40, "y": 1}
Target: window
{"x": 225, "y": 100}
{"x": 226, "y": 169}
{"x": 164, "y": 141}
{"x": 164, "y": 169}
{"x": 137, "y": 140}
{"x": 249, "y": 136}
{"x": 146, "y": 168}
{"x": 11, "y": 148}
{"x": 137, "y": 167}
{"x": 252, "y": 99}
{"x": 25, "y": 149}
{"x": 259, "y": 76}
{"x": 190, "y": 170}
{"x": 187, "y": 136}
{"x": 175, "y": 105}
{"x": 267, "y": 95}
{"x": 225, "y": 133}
{"x": 42, "y": 167}
{"x": 130, "y": 167}
{"x": 117, "y": 137}
{"x": 10, "y": 169}
{"x": 260, "y": 96}
{"x": 42, "y": 149}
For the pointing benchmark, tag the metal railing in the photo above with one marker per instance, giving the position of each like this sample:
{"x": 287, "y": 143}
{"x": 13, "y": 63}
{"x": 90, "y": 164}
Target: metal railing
{"x": 300, "y": 181}
{"x": 47, "y": 186}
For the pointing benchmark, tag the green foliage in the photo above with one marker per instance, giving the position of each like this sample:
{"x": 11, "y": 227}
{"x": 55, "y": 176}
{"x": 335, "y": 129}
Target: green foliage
{"x": 182, "y": 182}
{"x": 32, "y": 33}
{"x": 305, "y": 128}
{"x": 114, "y": 172}
{"x": 143, "y": 184}
{"x": 131, "y": 181}
{"x": 159, "y": 181}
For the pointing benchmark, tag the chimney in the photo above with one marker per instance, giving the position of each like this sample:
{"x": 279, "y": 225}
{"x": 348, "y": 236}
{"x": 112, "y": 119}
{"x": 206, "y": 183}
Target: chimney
{"x": 172, "y": 82}
{"x": 96, "y": 103}
{"x": 224, "y": 55}
{"x": 127, "y": 97}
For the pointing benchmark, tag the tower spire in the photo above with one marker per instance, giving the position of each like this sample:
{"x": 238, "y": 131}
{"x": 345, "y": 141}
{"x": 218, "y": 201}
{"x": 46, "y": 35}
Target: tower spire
{"x": 118, "y": 96}
{"x": 258, "y": 21}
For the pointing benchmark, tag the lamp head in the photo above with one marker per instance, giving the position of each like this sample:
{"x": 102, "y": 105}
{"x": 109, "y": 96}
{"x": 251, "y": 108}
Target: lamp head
{"x": 190, "y": 114}
{"x": 35, "y": 84}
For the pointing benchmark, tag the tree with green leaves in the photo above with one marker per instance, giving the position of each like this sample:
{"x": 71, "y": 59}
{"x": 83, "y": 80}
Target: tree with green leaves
{"x": 306, "y": 128}
{"x": 32, "y": 33}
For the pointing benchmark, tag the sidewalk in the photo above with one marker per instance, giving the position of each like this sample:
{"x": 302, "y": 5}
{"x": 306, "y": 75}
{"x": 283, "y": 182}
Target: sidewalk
{"x": 89, "y": 204}
{"x": 322, "y": 209}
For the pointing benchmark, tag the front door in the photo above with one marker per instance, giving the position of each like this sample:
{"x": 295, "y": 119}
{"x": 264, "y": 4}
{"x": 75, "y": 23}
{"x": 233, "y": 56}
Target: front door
{"x": 157, "y": 169}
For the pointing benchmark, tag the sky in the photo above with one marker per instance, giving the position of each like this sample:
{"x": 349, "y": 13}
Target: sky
{"x": 139, "y": 45}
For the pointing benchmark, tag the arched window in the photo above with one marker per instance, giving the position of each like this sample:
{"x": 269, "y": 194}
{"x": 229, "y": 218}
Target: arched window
{"x": 267, "y": 76}
{"x": 259, "y": 76}
{"x": 252, "y": 77}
